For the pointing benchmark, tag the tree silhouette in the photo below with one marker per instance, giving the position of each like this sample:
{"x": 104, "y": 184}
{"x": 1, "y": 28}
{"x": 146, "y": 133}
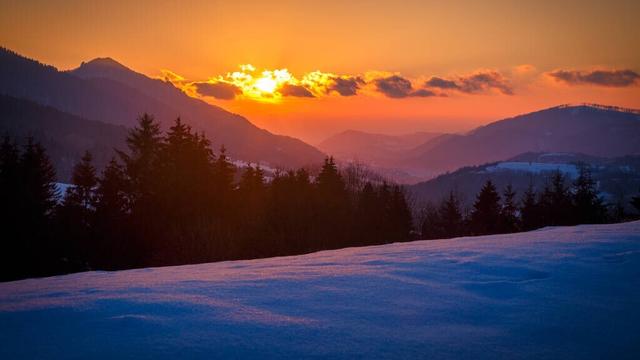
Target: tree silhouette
{"x": 508, "y": 213}
{"x": 485, "y": 217}
{"x": 589, "y": 208}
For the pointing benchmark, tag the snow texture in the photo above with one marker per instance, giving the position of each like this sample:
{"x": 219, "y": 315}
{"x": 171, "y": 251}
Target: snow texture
{"x": 534, "y": 167}
{"x": 568, "y": 292}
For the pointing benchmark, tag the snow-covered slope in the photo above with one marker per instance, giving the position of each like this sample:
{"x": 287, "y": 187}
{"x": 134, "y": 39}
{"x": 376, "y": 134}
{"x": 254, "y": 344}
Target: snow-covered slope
{"x": 557, "y": 293}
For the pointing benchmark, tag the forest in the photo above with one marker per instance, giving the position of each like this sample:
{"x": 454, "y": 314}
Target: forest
{"x": 558, "y": 203}
{"x": 168, "y": 199}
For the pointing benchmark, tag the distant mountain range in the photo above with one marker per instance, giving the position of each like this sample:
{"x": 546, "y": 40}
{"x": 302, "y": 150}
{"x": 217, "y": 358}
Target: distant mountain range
{"x": 106, "y": 91}
{"x": 66, "y": 137}
{"x": 374, "y": 149}
{"x": 617, "y": 179}
{"x": 587, "y": 129}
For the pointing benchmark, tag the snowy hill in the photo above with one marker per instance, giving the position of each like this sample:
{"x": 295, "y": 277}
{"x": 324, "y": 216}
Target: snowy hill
{"x": 617, "y": 179}
{"x": 554, "y": 293}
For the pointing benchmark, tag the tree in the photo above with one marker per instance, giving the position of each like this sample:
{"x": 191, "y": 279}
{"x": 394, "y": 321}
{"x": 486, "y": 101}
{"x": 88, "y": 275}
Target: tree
{"x": 588, "y": 207}
{"x": 557, "y": 204}
{"x": 508, "y": 213}
{"x": 485, "y": 217}
{"x": 84, "y": 181}
{"x": 113, "y": 248}
{"x": 38, "y": 196}
{"x": 144, "y": 143}
{"x": 451, "y": 222}
{"x": 529, "y": 211}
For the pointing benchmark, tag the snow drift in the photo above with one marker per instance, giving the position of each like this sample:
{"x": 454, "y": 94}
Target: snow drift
{"x": 571, "y": 292}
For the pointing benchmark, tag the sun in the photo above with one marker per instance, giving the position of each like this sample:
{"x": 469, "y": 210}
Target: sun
{"x": 266, "y": 84}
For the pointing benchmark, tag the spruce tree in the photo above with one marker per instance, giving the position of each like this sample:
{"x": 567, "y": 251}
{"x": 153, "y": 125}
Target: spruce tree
{"x": 588, "y": 207}
{"x": 508, "y": 213}
{"x": 450, "y": 220}
{"x": 529, "y": 212}
{"x": 485, "y": 217}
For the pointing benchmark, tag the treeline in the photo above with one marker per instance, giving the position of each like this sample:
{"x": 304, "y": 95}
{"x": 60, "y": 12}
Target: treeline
{"x": 559, "y": 203}
{"x": 167, "y": 199}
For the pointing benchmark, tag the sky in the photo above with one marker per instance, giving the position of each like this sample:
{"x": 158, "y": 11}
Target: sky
{"x": 312, "y": 69}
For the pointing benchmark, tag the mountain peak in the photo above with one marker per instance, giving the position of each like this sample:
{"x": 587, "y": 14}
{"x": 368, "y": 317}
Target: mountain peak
{"x": 104, "y": 62}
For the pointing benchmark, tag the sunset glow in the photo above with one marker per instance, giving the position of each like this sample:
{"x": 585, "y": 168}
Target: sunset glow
{"x": 318, "y": 70}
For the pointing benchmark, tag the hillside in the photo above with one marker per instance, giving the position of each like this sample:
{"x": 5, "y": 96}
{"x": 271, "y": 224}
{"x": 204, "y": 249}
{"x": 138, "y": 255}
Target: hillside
{"x": 374, "y": 149}
{"x": 66, "y": 137}
{"x": 558, "y": 292}
{"x": 105, "y": 91}
{"x": 587, "y": 129}
{"x": 617, "y": 179}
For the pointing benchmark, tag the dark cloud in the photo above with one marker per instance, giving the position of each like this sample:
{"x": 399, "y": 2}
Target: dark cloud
{"x": 295, "y": 90}
{"x": 218, "y": 90}
{"x": 346, "y": 86}
{"x": 394, "y": 86}
{"x": 424, "y": 93}
{"x": 441, "y": 83}
{"x": 611, "y": 78}
{"x": 483, "y": 81}
{"x": 473, "y": 84}
{"x": 398, "y": 87}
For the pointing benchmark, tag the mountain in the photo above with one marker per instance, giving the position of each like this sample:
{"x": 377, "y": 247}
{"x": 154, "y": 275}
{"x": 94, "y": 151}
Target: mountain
{"x": 588, "y": 129}
{"x": 107, "y": 91}
{"x": 568, "y": 292}
{"x": 617, "y": 179}
{"x": 66, "y": 137}
{"x": 374, "y": 149}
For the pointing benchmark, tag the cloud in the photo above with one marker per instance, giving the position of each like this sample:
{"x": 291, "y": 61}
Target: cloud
{"x": 473, "y": 84}
{"x": 441, "y": 83}
{"x": 218, "y": 90}
{"x": 609, "y": 78}
{"x": 295, "y": 90}
{"x": 345, "y": 85}
{"x": 397, "y": 87}
{"x": 425, "y": 93}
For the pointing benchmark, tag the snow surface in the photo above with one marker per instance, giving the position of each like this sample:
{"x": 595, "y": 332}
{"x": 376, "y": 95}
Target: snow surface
{"x": 571, "y": 292}
{"x": 534, "y": 167}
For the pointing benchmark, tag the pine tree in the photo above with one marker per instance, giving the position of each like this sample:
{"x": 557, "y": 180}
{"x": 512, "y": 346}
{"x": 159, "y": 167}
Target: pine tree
{"x": 84, "y": 181}
{"x": 485, "y": 217}
{"x": 431, "y": 227}
{"x": 140, "y": 163}
{"x": 508, "y": 213}
{"x": 76, "y": 214}
{"x": 114, "y": 248}
{"x": 402, "y": 219}
{"x": 558, "y": 207}
{"x": 450, "y": 220}
{"x": 588, "y": 207}
{"x": 38, "y": 196}
{"x": 529, "y": 212}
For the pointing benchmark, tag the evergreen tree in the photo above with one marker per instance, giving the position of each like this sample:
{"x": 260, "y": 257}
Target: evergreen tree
{"x": 558, "y": 205}
{"x": 588, "y": 207}
{"x": 38, "y": 196}
{"x": 333, "y": 206}
{"x": 144, "y": 143}
{"x": 431, "y": 224}
{"x": 529, "y": 211}
{"x": 508, "y": 213}
{"x": 113, "y": 248}
{"x": 84, "y": 180}
{"x": 399, "y": 216}
{"x": 485, "y": 217}
{"x": 450, "y": 220}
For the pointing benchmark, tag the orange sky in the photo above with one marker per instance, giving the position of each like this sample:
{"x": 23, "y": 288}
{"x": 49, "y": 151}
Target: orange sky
{"x": 203, "y": 41}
